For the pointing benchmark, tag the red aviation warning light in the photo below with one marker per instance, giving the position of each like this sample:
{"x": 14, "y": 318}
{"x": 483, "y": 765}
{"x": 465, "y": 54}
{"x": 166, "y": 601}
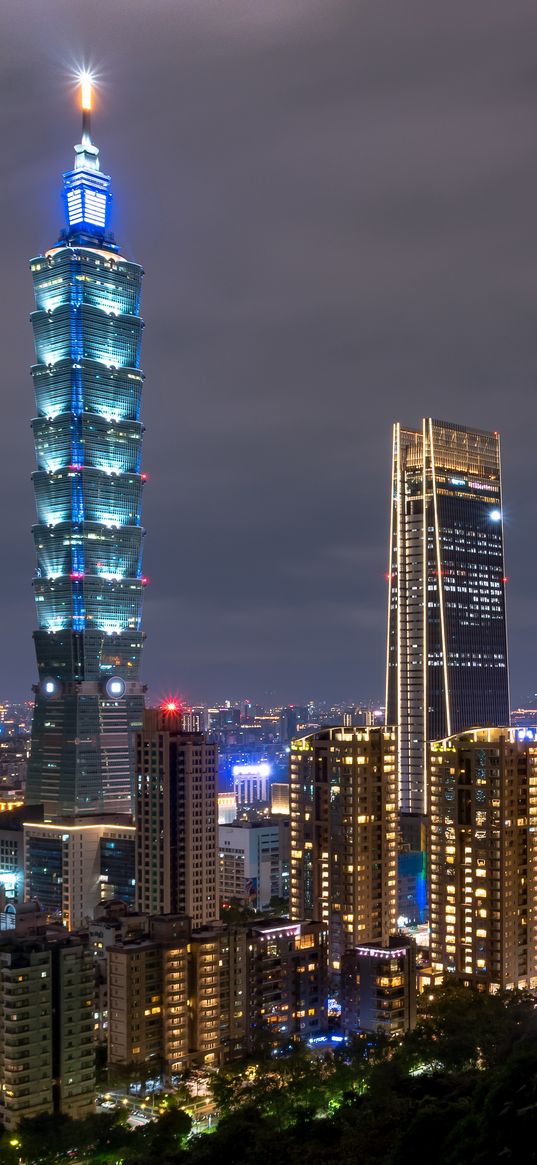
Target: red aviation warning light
{"x": 171, "y": 705}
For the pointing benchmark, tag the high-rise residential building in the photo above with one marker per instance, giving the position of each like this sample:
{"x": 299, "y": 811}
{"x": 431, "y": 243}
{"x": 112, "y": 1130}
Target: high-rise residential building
{"x": 255, "y": 981}
{"x": 287, "y": 980}
{"x": 204, "y": 998}
{"x": 69, "y": 866}
{"x": 483, "y": 857}
{"x": 88, "y": 485}
{"x": 164, "y": 997}
{"x": 112, "y": 920}
{"x": 254, "y": 862}
{"x": 148, "y": 995}
{"x": 47, "y": 1051}
{"x": 378, "y": 987}
{"x": 343, "y": 798}
{"x": 177, "y": 997}
{"x": 447, "y": 642}
{"x": 176, "y": 812}
{"x": 234, "y": 961}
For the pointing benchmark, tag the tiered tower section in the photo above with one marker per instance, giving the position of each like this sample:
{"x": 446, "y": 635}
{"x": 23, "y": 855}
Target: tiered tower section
{"x": 88, "y": 488}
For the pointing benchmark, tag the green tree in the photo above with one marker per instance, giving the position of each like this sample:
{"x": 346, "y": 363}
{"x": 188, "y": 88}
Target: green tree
{"x": 161, "y": 1140}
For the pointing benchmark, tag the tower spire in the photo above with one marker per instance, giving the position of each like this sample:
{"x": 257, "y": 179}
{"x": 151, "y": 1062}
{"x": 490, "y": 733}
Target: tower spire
{"x": 86, "y": 94}
{"x": 87, "y": 155}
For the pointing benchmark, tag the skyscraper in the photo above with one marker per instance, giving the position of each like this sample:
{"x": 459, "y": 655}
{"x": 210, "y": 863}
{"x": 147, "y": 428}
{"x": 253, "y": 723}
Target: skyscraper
{"x": 88, "y": 485}
{"x": 176, "y": 820}
{"x": 447, "y": 641}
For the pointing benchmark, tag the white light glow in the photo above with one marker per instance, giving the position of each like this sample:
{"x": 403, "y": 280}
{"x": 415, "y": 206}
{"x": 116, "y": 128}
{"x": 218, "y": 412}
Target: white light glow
{"x": 86, "y": 83}
{"x": 262, "y": 769}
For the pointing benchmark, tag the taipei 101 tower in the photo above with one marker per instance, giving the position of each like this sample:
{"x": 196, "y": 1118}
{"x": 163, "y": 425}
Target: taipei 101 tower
{"x": 88, "y": 486}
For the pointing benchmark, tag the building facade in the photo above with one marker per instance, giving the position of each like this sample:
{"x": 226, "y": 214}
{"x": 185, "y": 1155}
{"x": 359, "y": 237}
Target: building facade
{"x": 251, "y": 782}
{"x": 378, "y": 987}
{"x": 178, "y": 997}
{"x": 47, "y": 1053}
{"x": 483, "y": 857}
{"x": 68, "y": 866}
{"x": 147, "y": 996}
{"x": 287, "y": 980}
{"x": 227, "y": 808}
{"x": 279, "y": 798}
{"x": 204, "y": 994}
{"x": 88, "y": 485}
{"x": 176, "y": 815}
{"x": 343, "y": 822}
{"x": 446, "y": 604}
{"x": 254, "y": 862}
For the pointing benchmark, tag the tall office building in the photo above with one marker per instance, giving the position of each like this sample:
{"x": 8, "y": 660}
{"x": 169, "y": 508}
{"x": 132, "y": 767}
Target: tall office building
{"x": 176, "y": 814}
{"x": 483, "y": 857}
{"x": 447, "y": 642}
{"x": 343, "y": 796}
{"x": 88, "y": 485}
{"x": 72, "y": 866}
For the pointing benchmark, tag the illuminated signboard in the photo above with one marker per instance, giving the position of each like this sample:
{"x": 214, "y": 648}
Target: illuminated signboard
{"x": 258, "y": 769}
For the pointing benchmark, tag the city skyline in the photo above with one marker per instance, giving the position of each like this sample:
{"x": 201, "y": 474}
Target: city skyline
{"x": 280, "y": 563}
{"x": 226, "y": 916}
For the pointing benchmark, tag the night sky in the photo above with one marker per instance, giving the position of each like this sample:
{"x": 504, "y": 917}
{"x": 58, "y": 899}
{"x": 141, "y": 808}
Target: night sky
{"x": 335, "y": 204}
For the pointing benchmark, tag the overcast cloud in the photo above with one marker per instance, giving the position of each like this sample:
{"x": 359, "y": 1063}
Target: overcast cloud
{"x": 335, "y": 206}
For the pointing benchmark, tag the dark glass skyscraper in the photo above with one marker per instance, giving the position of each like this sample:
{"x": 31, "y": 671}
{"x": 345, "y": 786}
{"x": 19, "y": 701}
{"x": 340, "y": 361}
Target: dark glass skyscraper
{"x": 88, "y": 485}
{"x": 447, "y": 640}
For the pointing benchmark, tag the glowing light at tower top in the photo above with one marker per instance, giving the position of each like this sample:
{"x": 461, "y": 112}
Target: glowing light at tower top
{"x": 86, "y": 91}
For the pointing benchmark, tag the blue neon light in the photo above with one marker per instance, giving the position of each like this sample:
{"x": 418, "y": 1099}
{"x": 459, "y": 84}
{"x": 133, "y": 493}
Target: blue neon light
{"x": 87, "y": 200}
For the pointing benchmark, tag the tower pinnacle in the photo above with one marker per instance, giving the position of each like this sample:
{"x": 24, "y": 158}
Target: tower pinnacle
{"x": 87, "y": 155}
{"x": 86, "y": 95}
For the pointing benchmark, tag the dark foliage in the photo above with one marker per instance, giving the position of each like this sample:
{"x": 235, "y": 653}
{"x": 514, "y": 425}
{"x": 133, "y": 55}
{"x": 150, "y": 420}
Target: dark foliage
{"x": 460, "y": 1090}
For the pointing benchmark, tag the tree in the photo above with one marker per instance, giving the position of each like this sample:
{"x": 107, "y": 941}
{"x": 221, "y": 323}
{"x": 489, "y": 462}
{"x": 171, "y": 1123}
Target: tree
{"x": 161, "y": 1140}
{"x": 465, "y": 1027}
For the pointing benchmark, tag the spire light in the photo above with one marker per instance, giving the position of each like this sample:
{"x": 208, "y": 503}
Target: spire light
{"x": 86, "y": 91}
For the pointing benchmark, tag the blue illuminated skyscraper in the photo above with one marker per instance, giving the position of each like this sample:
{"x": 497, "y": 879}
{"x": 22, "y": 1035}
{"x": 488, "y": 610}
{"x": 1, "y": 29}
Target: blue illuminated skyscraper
{"x": 88, "y": 487}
